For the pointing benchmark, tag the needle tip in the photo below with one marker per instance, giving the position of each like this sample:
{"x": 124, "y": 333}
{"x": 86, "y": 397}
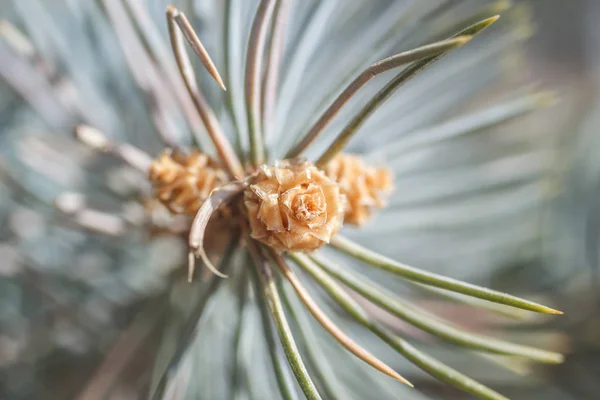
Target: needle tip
{"x": 91, "y": 137}
{"x": 172, "y": 10}
{"x": 210, "y": 265}
{"x": 493, "y": 19}
{"x": 191, "y": 265}
{"x": 400, "y": 378}
{"x": 220, "y": 82}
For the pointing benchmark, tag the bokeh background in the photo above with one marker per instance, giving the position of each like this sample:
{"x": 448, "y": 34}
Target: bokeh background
{"x": 82, "y": 293}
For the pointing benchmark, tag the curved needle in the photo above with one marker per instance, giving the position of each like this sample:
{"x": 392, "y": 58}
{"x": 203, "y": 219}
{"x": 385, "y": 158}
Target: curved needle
{"x": 226, "y": 152}
{"x": 371, "y": 72}
{"x": 220, "y": 196}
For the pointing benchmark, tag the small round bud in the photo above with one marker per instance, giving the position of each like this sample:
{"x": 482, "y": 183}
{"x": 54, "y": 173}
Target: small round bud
{"x": 366, "y": 187}
{"x": 293, "y": 206}
{"x": 183, "y": 182}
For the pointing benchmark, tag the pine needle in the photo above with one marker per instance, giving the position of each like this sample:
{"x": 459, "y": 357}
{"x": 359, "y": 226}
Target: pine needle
{"x": 371, "y": 72}
{"x": 424, "y": 361}
{"x": 96, "y": 140}
{"x": 220, "y": 196}
{"x": 429, "y": 278}
{"x": 384, "y": 94}
{"x": 196, "y": 44}
{"x": 256, "y": 47}
{"x": 273, "y": 64}
{"x": 333, "y": 330}
{"x": 280, "y": 365}
{"x": 428, "y": 323}
{"x": 226, "y": 152}
{"x": 269, "y": 289}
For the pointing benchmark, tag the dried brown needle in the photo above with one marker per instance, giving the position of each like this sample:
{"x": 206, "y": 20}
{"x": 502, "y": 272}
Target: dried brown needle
{"x": 194, "y": 41}
{"x": 220, "y": 196}
{"x": 224, "y": 148}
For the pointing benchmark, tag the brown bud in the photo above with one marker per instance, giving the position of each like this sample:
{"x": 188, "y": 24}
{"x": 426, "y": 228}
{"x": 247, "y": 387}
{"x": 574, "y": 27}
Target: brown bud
{"x": 182, "y": 182}
{"x": 293, "y": 206}
{"x": 366, "y": 187}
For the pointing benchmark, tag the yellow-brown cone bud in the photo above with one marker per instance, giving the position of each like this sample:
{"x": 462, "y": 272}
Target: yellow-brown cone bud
{"x": 293, "y": 206}
{"x": 183, "y": 182}
{"x": 365, "y": 187}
